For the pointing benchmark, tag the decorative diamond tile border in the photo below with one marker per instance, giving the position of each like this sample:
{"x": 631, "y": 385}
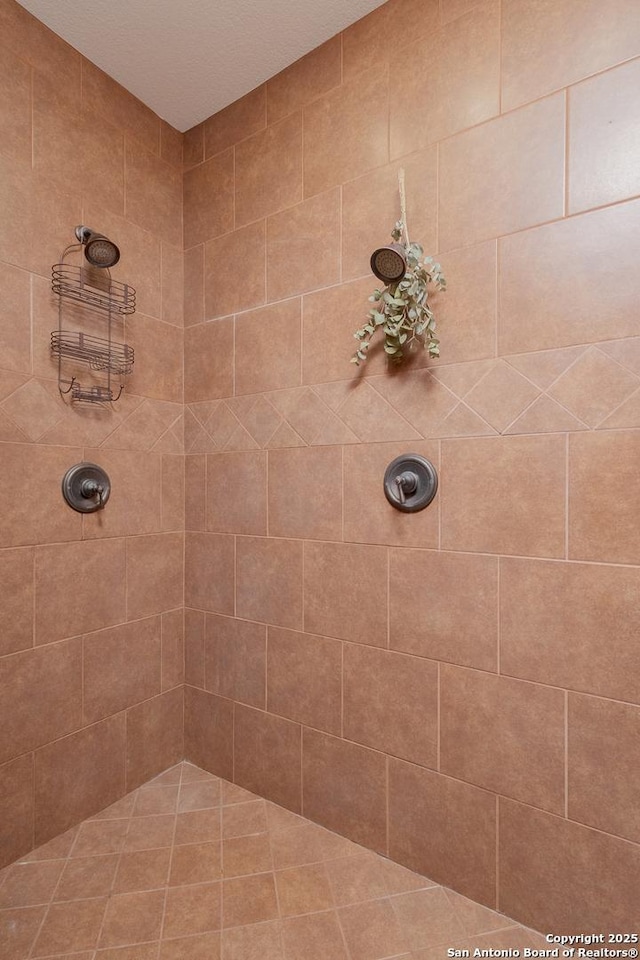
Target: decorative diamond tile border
{"x": 550, "y": 391}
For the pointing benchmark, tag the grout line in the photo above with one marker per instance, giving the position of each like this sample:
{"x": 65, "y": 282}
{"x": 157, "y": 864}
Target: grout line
{"x": 567, "y": 491}
{"x": 565, "y": 171}
{"x": 497, "y": 851}
{"x": 342, "y": 490}
{"x": 388, "y": 806}
{"x": 342, "y": 690}
{"x": 304, "y": 550}
{"x": 388, "y": 598}
{"x": 500, "y": 56}
{"x": 301, "y": 769}
{"x": 32, "y": 78}
{"x": 438, "y": 724}
{"x": 437, "y": 207}
{"x": 235, "y": 575}
{"x": 566, "y": 754}
{"x": 498, "y": 618}
{"x": 233, "y": 195}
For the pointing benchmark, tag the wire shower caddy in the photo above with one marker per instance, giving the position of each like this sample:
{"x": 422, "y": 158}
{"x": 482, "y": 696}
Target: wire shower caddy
{"x": 108, "y": 360}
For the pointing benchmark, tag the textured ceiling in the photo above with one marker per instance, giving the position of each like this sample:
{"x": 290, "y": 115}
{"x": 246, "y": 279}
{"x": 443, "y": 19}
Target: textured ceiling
{"x": 186, "y": 59}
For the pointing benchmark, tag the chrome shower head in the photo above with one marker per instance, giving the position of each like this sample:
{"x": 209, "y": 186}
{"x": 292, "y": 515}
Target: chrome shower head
{"x": 98, "y": 249}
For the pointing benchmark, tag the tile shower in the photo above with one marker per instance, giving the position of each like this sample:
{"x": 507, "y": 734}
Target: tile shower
{"x": 457, "y": 690}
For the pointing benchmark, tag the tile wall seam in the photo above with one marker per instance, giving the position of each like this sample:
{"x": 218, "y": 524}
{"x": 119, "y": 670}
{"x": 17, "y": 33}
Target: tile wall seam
{"x": 388, "y": 598}
{"x": 33, "y": 599}
{"x": 566, "y": 754}
{"x": 387, "y": 791}
{"x": 497, "y": 894}
{"x": 566, "y": 185}
{"x": 500, "y": 56}
{"x": 438, "y": 724}
{"x": 361, "y": 543}
{"x": 449, "y": 250}
{"x": 498, "y": 616}
{"x": 567, "y": 496}
{"x": 576, "y": 823}
{"x": 33, "y": 800}
{"x": 32, "y": 76}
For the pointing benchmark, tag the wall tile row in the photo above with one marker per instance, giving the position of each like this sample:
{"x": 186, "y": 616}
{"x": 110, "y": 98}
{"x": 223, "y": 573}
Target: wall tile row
{"x": 523, "y": 496}
{"x": 44, "y": 793}
{"x": 393, "y": 806}
{"x": 146, "y": 498}
{"x": 503, "y": 734}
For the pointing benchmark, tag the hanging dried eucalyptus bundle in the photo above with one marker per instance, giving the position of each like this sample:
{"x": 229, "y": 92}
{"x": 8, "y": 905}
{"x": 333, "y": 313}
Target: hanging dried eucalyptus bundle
{"x": 402, "y": 310}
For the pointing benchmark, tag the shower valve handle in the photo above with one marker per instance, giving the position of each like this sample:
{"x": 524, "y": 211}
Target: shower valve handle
{"x": 91, "y": 489}
{"x": 406, "y": 482}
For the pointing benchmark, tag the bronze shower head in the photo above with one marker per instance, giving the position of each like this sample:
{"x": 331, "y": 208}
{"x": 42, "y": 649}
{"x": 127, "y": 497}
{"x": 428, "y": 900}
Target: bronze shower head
{"x": 99, "y": 251}
{"x": 389, "y": 264}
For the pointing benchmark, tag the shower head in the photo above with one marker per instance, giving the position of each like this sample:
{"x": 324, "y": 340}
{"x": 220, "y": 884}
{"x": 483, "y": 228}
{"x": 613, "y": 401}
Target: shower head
{"x": 99, "y": 251}
{"x": 389, "y": 264}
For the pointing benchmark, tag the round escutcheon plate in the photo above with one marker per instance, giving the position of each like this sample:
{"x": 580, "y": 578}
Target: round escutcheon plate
{"x": 86, "y": 487}
{"x": 410, "y": 482}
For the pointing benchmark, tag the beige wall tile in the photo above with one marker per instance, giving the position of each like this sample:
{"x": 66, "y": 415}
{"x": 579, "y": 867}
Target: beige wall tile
{"x": 303, "y": 246}
{"x": 224, "y": 291}
{"x": 391, "y": 703}
{"x": 452, "y": 613}
{"x": 121, "y": 667}
{"x": 305, "y": 80}
{"x": 235, "y": 659}
{"x": 604, "y": 527}
{"x": 16, "y": 808}
{"x": 359, "y": 110}
{"x": 444, "y": 829}
{"x": 602, "y": 772}
{"x": 16, "y": 599}
{"x": 155, "y": 736}
{"x": 208, "y": 199}
{"x": 268, "y": 170}
{"x": 208, "y": 732}
{"x": 208, "y": 361}
{"x": 543, "y": 882}
{"x": 563, "y": 287}
{"x": 345, "y": 591}
{"x": 344, "y": 788}
{"x": 267, "y": 751}
{"x": 269, "y": 581}
{"x": 155, "y": 574}
{"x": 570, "y": 625}
{"x": 54, "y": 675}
{"x": 239, "y": 120}
{"x": 79, "y": 587}
{"x": 304, "y": 679}
{"x": 305, "y": 493}
{"x": 504, "y": 495}
{"x": 449, "y": 82}
{"x": 236, "y": 492}
{"x": 268, "y": 348}
{"x": 489, "y": 186}
{"x": 504, "y": 735}
{"x": 93, "y": 760}
{"x": 546, "y": 48}
{"x": 209, "y": 572}
{"x": 604, "y": 126}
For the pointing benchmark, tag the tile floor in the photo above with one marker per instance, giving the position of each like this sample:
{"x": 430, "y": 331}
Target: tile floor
{"x": 191, "y": 867}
